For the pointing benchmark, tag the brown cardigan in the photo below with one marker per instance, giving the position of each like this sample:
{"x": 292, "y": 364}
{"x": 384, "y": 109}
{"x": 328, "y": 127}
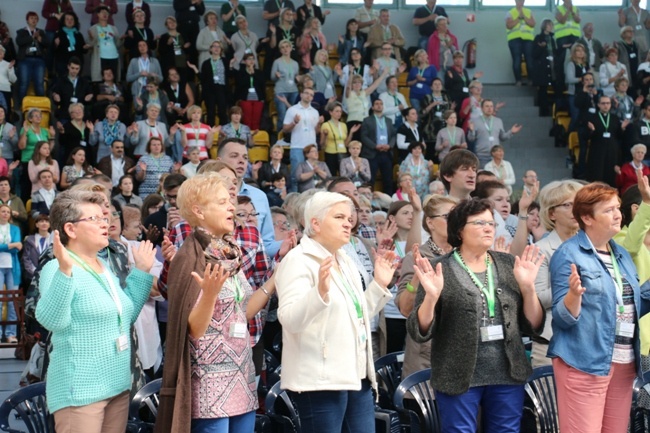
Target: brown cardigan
{"x": 175, "y": 410}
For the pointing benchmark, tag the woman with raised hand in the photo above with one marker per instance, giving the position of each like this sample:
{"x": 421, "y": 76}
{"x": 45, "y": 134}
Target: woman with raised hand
{"x": 327, "y": 356}
{"x": 595, "y": 287}
{"x": 89, "y": 317}
{"x": 486, "y": 300}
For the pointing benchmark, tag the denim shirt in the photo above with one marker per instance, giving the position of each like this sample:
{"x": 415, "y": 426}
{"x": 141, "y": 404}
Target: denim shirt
{"x": 587, "y": 342}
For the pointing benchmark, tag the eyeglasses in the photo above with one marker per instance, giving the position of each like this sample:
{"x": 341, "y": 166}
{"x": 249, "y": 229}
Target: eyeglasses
{"x": 246, "y": 215}
{"x": 568, "y": 205}
{"x": 483, "y": 223}
{"x": 284, "y": 226}
{"x": 93, "y": 219}
{"x": 442, "y": 215}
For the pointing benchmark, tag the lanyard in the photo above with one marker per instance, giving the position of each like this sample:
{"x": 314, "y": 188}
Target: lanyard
{"x": 111, "y": 288}
{"x": 395, "y": 100}
{"x": 353, "y": 295}
{"x": 197, "y": 133}
{"x": 143, "y": 35}
{"x": 400, "y": 252}
{"x": 415, "y": 132}
{"x": 489, "y": 292}
{"x": 606, "y": 125}
{"x": 618, "y": 282}
{"x": 144, "y": 64}
{"x": 2, "y": 127}
{"x": 40, "y": 138}
{"x": 340, "y": 138}
{"x": 247, "y": 40}
{"x": 287, "y": 34}
{"x": 316, "y": 41}
{"x": 237, "y": 133}
{"x": 421, "y": 72}
{"x": 239, "y": 294}
{"x": 489, "y": 128}
{"x": 452, "y": 138}
{"x": 381, "y": 122}
{"x": 251, "y": 82}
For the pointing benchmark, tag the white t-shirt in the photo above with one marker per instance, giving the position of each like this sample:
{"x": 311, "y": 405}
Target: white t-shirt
{"x": 304, "y": 133}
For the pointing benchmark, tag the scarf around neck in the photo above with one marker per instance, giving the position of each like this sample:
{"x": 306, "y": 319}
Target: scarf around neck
{"x": 222, "y": 251}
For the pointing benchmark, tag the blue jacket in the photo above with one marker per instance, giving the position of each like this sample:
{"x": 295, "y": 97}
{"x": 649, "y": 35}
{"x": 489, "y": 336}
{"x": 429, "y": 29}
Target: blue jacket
{"x": 587, "y": 342}
{"x": 14, "y": 232}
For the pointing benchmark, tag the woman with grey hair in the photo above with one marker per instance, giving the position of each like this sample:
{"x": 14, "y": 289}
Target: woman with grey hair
{"x": 141, "y": 131}
{"x": 325, "y": 314}
{"x": 89, "y": 317}
{"x": 556, "y": 204}
{"x": 626, "y": 174}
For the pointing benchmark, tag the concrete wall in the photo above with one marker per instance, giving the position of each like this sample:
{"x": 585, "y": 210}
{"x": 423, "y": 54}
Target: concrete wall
{"x": 488, "y": 29}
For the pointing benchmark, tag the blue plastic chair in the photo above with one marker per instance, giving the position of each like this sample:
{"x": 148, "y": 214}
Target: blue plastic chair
{"x": 388, "y": 370}
{"x": 30, "y": 406}
{"x": 144, "y": 408}
{"x": 418, "y": 386}
{"x": 541, "y": 399}
{"x": 281, "y": 410}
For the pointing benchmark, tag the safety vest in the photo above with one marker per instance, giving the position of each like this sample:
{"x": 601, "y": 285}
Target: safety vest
{"x": 569, "y": 28}
{"x": 521, "y": 30}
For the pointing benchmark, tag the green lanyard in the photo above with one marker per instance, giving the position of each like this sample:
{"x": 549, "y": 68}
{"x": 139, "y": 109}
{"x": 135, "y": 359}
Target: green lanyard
{"x": 618, "y": 282}
{"x": 143, "y": 35}
{"x": 452, "y": 138}
{"x": 237, "y": 131}
{"x": 489, "y": 292}
{"x": 251, "y": 82}
{"x": 248, "y": 41}
{"x": 489, "y": 128}
{"x": 287, "y": 35}
{"x": 395, "y": 99}
{"x": 111, "y": 289}
{"x": 239, "y": 293}
{"x": 353, "y": 295}
{"x": 400, "y": 253}
{"x": 381, "y": 123}
{"x": 606, "y": 125}
{"x": 421, "y": 72}
{"x": 40, "y": 138}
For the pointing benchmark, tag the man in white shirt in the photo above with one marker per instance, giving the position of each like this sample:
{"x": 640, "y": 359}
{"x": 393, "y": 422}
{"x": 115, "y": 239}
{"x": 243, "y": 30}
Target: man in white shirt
{"x": 303, "y": 122}
{"x": 394, "y": 102}
{"x": 366, "y": 16}
{"x": 43, "y": 198}
{"x": 116, "y": 164}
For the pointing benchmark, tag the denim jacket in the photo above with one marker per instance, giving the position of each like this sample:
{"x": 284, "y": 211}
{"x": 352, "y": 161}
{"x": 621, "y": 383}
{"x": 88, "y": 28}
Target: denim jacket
{"x": 587, "y": 342}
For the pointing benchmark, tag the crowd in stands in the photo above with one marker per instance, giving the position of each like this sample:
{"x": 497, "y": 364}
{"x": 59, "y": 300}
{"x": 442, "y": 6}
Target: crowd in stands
{"x": 383, "y": 216}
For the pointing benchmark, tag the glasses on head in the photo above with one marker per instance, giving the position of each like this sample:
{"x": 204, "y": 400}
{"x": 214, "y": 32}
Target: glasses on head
{"x": 483, "y": 223}
{"x": 92, "y": 219}
{"x": 568, "y": 205}
{"x": 283, "y": 226}
{"x": 246, "y": 215}
{"x": 442, "y": 215}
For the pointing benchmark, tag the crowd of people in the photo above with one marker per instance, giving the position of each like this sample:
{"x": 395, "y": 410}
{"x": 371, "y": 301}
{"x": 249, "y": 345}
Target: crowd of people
{"x": 144, "y": 236}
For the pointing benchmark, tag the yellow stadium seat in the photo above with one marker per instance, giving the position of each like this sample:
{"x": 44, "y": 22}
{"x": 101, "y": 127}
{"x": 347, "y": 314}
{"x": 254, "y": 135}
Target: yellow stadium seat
{"x": 40, "y": 102}
{"x": 406, "y": 91}
{"x": 557, "y": 113}
{"x": 30, "y": 221}
{"x": 261, "y": 138}
{"x": 258, "y": 153}
{"x": 402, "y": 78}
{"x": 574, "y": 145}
{"x": 564, "y": 121}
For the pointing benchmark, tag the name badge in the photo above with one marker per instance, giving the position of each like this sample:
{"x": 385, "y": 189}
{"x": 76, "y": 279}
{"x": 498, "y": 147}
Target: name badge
{"x": 419, "y": 85}
{"x": 383, "y": 139}
{"x": 192, "y": 8}
{"x": 177, "y": 52}
{"x": 606, "y": 135}
{"x": 248, "y": 51}
{"x": 628, "y": 115}
{"x": 491, "y": 333}
{"x": 238, "y": 330}
{"x": 177, "y": 105}
{"x": 549, "y": 58}
{"x": 32, "y": 49}
{"x": 82, "y": 143}
{"x": 592, "y": 110}
{"x": 234, "y": 24}
{"x": 73, "y": 100}
{"x": 341, "y": 146}
{"x": 362, "y": 334}
{"x": 638, "y": 27}
{"x": 70, "y": 49}
{"x": 632, "y": 55}
{"x": 624, "y": 329}
{"x": 216, "y": 79}
{"x": 122, "y": 343}
{"x": 251, "y": 90}
{"x": 438, "y": 113}
{"x": 465, "y": 89}
{"x": 491, "y": 139}
{"x": 290, "y": 82}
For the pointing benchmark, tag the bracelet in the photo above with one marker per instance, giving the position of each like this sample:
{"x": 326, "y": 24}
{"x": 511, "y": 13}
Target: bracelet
{"x": 410, "y": 288}
{"x": 523, "y": 217}
{"x": 266, "y": 292}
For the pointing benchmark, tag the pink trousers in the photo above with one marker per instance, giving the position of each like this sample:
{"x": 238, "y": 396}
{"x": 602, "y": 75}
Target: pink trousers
{"x": 594, "y": 404}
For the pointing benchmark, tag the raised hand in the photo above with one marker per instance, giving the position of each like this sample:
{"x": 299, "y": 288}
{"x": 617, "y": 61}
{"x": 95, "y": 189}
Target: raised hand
{"x": 143, "y": 256}
{"x": 528, "y": 197}
{"x": 527, "y": 266}
{"x": 385, "y": 265}
{"x": 431, "y": 279}
{"x": 288, "y": 244}
{"x": 501, "y": 246}
{"x": 324, "y": 277}
{"x": 414, "y": 198}
{"x": 575, "y": 284}
{"x": 387, "y": 232}
{"x": 516, "y": 128}
{"x": 644, "y": 188}
{"x": 152, "y": 233}
{"x": 212, "y": 281}
{"x": 61, "y": 255}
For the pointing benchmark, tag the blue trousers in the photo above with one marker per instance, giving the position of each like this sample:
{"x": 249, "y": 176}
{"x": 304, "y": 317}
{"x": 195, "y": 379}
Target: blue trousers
{"x": 244, "y": 423}
{"x": 296, "y": 157}
{"x": 517, "y": 48}
{"x": 336, "y": 411}
{"x": 30, "y": 69}
{"x": 502, "y": 406}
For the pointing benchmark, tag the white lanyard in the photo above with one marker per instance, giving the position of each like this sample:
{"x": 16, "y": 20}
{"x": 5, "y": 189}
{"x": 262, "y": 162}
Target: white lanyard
{"x": 415, "y": 132}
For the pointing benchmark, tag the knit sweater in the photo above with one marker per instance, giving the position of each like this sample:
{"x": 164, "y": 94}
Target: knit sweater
{"x": 85, "y": 365}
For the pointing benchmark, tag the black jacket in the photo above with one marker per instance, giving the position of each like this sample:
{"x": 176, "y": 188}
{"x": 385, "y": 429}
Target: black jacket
{"x": 543, "y": 73}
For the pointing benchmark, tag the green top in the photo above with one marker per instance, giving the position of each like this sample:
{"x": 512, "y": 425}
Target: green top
{"x": 86, "y": 365}
{"x": 32, "y": 139}
{"x": 631, "y": 238}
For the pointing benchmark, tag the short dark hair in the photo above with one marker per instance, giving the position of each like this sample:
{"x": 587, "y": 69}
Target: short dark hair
{"x": 45, "y": 170}
{"x": 74, "y": 60}
{"x": 453, "y": 161}
{"x": 415, "y": 144}
{"x": 222, "y": 146}
{"x": 5, "y": 179}
{"x": 126, "y": 176}
{"x": 244, "y": 199}
{"x": 457, "y": 219}
{"x": 336, "y": 180}
{"x": 277, "y": 176}
{"x": 148, "y": 147}
{"x": 172, "y": 181}
{"x": 631, "y": 196}
{"x": 484, "y": 189}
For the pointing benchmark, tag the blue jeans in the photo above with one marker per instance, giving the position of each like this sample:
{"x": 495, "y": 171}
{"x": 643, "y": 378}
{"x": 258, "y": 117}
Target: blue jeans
{"x": 574, "y": 112}
{"x": 383, "y": 162}
{"x": 517, "y": 48}
{"x": 502, "y": 406}
{"x": 244, "y": 423}
{"x": 423, "y": 41}
{"x": 7, "y": 278}
{"x": 416, "y": 103}
{"x": 296, "y": 157}
{"x": 30, "y": 69}
{"x": 336, "y": 411}
{"x": 282, "y": 108}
